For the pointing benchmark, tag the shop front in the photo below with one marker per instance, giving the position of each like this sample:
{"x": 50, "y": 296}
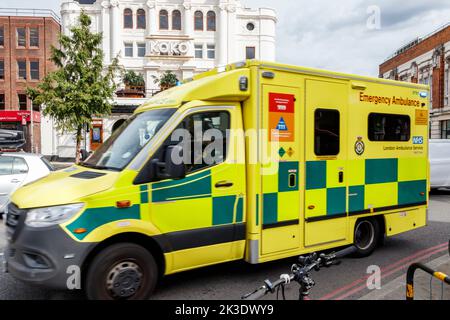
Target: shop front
{"x": 27, "y": 122}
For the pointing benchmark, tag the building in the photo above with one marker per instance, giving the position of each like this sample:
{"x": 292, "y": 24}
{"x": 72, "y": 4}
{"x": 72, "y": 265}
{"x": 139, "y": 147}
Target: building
{"x": 426, "y": 60}
{"x": 26, "y": 36}
{"x": 151, "y": 37}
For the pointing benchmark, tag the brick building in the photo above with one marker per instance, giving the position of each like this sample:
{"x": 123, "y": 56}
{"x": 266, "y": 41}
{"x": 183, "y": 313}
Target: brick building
{"x": 26, "y": 36}
{"x": 426, "y": 60}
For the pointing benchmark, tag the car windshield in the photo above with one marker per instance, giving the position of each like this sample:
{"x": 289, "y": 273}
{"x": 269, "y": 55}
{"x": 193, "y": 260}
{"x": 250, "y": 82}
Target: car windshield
{"x": 126, "y": 142}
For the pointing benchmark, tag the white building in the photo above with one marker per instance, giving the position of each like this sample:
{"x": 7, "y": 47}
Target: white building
{"x": 151, "y": 37}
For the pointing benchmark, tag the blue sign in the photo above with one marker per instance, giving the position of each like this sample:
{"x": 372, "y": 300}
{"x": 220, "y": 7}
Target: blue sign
{"x": 282, "y": 125}
{"x": 417, "y": 140}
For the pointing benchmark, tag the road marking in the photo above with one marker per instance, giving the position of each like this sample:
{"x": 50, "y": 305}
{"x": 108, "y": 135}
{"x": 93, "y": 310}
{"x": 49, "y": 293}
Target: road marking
{"x": 417, "y": 255}
{"x": 384, "y": 275}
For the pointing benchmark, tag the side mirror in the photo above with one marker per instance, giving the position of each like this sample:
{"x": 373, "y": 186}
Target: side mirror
{"x": 156, "y": 170}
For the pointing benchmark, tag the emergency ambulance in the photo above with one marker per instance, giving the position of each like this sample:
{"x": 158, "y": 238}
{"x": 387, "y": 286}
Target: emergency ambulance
{"x": 304, "y": 160}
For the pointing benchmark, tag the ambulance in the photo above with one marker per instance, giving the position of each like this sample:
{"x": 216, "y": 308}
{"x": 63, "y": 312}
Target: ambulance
{"x": 284, "y": 161}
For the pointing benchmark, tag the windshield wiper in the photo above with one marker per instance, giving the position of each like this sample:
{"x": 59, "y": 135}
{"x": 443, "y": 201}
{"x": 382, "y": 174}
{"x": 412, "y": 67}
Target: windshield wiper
{"x": 92, "y": 166}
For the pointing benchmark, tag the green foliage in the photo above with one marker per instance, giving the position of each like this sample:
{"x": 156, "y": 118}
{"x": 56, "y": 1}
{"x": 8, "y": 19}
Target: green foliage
{"x": 133, "y": 79}
{"x": 81, "y": 88}
{"x": 167, "y": 80}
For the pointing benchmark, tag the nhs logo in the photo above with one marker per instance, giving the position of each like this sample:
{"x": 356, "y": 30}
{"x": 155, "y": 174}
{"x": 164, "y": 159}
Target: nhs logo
{"x": 417, "y": 140}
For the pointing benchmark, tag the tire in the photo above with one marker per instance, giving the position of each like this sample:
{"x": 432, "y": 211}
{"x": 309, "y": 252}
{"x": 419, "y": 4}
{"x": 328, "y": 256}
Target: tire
{"x": 123, "y": 271}
{"x": 366, "y": 237}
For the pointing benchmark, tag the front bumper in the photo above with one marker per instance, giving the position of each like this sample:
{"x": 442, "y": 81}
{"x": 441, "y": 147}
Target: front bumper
{"x": 43, "y": 256}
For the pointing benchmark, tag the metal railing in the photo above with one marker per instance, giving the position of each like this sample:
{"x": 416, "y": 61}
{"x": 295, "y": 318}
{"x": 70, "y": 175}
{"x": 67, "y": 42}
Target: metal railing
{"x": 410, "y": 277}
{"x": 416, "y": 41}
{"x": 23, "y": 12}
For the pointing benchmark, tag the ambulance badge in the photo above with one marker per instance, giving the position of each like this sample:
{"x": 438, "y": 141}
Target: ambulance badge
{"x": 359, "y": 146}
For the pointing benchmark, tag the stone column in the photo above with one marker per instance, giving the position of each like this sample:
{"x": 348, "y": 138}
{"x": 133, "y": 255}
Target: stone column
{"x": 105, "y": 28}
{"x": 188, "y": 25}
{"x": 116, "y": 26}
{"x": 152, "y": 19}
{"x": 223, "y": 35}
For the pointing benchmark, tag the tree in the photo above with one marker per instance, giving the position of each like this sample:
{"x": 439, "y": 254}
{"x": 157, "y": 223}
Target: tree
{"x": 81, "y": 88}
{"x": 167, "y": 80}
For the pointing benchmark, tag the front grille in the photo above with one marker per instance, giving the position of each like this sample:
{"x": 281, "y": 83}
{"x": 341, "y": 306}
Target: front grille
{"x": 14, "y": 219}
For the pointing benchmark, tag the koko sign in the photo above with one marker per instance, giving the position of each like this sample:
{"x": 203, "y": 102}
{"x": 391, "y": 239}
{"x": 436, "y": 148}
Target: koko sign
{"x": 170, "y": 48}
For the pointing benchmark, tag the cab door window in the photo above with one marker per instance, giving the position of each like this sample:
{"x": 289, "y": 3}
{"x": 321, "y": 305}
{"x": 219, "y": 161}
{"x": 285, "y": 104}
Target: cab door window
{"x": 6, "y": 165}
{"x": 205, "y": 139}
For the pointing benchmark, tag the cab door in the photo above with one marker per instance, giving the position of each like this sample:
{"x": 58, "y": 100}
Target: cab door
{"x": 202, "y": 217}
{"x": 325, "y": 203}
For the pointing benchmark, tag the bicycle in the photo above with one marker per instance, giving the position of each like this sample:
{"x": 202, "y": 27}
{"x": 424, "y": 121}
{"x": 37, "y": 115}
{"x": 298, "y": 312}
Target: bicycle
{"x": 300, "y": 273}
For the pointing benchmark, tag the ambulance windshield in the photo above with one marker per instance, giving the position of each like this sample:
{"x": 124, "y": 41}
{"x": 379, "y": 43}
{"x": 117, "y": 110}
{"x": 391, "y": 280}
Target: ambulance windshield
{"x": 126, "y": 142}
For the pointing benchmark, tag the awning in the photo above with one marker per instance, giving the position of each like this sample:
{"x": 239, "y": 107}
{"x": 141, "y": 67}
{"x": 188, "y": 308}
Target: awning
{"x": 19, "y": 116}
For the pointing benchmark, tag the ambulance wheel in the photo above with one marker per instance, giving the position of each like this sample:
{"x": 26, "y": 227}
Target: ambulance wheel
{"x": 367, "y": 235}
{"x": 123, "y": 271}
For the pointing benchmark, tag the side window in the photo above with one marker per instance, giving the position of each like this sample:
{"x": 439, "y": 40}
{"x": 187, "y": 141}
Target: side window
{"x": 326, "y": 132}
{"x": 389, "y": 127}
{"x": 6, "y": 166}
{"x": 20, "y": 166}
{"x": 207, "y": 139}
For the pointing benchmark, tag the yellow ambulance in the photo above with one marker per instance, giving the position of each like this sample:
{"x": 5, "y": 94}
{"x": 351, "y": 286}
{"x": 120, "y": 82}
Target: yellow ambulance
{"x": 287, "y": 160}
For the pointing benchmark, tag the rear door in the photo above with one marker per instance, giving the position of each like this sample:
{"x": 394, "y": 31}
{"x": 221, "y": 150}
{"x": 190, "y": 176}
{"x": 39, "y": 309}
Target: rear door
{"x": 326, "y": 162}
{"x": 281, "y": 172}
{"x": 13, "y": 171}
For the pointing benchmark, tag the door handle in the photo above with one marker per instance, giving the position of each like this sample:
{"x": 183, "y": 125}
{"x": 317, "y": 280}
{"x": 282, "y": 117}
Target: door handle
{"x": 15, "y": 181}
{"x": 341, "y": 176}
{"x": 224, "y": 184}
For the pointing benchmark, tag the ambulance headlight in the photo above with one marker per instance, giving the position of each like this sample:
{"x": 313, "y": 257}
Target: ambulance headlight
{"x": 49, "y": 216}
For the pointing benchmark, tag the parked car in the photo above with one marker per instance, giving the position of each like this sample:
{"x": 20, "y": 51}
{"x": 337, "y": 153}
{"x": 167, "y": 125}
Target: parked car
{"x": 17, "y": 169}
{"x": 439, "y": 163}
{"x": 11, "y": 140}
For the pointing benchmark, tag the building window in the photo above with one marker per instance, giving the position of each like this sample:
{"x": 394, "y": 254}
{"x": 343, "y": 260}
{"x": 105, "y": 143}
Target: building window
{"x": 2, "y": 36}
{"x": 164, "y": 20}
{"x": 141, "y": 50}
{"x": 326, "y": 132}
{"x": 2, "y": 101}
{"x": 21, "y": 37}
{"x": 128, "y": 49}
{"x": 389, "y": 127}
{"x": 22, "y": 69}
{"x": 141, "y": 20}
{"x": 198, "y": 21}
{"x": 211, "y": 21}
{"x": 445, "y": 129}
{"x": 250, "y": 26}
{"x": 211, "y": 51}
{"x": 2, "y": 70}
{"x": 176, "y": 20}
{"x": 34, "y": 37}
{"x": 198, "y": 51}
{"x": 22, "y": 101}
{"x": 128, "y": 19}
{"x": 250, "y": 53}
{"x": 34, "y": 70}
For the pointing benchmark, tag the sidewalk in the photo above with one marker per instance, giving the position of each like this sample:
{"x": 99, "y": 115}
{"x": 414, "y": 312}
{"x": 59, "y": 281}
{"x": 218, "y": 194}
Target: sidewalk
{"x": 396, "y": 289}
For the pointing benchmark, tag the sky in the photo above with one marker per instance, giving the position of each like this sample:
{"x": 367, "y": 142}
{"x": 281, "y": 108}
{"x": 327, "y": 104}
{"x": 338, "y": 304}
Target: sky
{"x": 352, "y": 36}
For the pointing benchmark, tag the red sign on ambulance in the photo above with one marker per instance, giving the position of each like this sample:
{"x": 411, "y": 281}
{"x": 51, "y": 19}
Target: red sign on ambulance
{"x": 281, "y": 117}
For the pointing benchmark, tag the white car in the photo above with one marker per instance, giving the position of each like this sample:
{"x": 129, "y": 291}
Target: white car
{"x": 18, "y": 169}
{"x": 439, "y": 163}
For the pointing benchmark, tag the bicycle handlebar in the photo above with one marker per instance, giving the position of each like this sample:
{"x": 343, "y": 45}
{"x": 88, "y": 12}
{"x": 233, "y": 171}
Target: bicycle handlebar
{"x": 306, "y": 265}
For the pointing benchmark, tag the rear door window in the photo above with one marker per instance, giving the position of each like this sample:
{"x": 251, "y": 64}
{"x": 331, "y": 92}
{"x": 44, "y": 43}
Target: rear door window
{"x": 19, "y": 166}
